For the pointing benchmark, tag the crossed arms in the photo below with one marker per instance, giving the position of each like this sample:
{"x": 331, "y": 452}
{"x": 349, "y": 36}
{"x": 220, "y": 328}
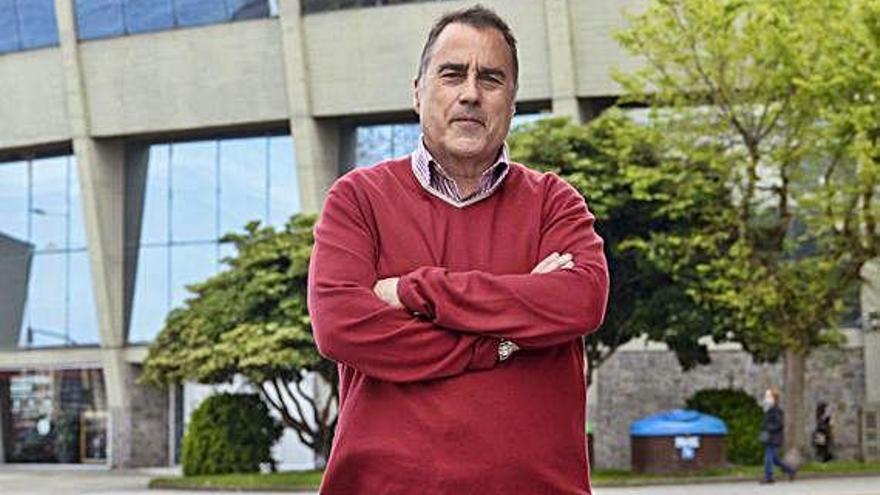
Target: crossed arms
{"x": 453, "y": 321}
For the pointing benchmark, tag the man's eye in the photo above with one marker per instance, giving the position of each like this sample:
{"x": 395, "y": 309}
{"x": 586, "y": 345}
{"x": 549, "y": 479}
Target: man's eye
{"x": 451, "y": 75}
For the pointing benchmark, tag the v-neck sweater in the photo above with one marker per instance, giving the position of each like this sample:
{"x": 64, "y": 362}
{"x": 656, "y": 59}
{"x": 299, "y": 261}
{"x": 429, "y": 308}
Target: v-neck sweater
{"x": 425, "y": 407}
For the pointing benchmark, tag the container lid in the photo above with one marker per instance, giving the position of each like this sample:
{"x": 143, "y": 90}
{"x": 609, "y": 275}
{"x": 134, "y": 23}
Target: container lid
{"x": 677, "y": 422}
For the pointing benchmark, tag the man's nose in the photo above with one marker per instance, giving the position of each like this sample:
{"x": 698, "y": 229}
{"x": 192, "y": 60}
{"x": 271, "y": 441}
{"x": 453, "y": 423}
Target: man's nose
{"x": 470, "y": 91}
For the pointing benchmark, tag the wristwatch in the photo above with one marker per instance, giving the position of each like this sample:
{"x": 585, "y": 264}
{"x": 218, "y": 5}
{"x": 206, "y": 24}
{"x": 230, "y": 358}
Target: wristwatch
{"x": 506, "y": 349}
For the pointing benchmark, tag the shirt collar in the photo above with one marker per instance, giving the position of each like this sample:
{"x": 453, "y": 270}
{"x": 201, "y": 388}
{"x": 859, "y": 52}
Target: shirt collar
{"x": 434, "y": 178}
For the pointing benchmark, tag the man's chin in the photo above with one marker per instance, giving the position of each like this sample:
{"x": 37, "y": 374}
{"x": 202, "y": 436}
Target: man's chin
{"x": 467, "y": 148}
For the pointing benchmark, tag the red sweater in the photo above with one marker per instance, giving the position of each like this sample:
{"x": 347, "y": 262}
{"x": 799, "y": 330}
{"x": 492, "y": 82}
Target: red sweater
{"x": 425, "y": 408}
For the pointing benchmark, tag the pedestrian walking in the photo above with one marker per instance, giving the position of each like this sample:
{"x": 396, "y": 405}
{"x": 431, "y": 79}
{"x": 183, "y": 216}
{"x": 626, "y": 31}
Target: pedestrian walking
{"x": 771, "y": 436}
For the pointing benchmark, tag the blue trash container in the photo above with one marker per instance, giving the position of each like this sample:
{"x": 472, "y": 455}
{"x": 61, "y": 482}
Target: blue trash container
{"x": 680, "y": 440}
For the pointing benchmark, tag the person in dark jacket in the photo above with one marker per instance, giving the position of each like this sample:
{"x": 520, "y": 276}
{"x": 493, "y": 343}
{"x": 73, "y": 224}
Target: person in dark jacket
{"x": 822, "y": 434}
{"x": 772, "y": 436}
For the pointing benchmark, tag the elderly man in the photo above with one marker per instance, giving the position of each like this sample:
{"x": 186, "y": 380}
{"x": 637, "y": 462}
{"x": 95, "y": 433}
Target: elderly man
{"x": 453, "y": 287}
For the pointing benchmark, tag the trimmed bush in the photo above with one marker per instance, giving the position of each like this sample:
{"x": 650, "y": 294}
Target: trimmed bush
{"x": 743, "y": 416}
{"x": 229, "y": 433}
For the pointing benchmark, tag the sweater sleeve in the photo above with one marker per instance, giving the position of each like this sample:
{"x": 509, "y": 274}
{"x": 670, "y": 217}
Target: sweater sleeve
{"x": 351, "y": 325}
{"x": 532, "y": 310}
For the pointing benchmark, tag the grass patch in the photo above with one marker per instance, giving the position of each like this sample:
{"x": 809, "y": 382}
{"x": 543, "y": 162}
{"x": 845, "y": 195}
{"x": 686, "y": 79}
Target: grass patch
{"x": 310, "y": 480}
{"x": 288, "y": 480}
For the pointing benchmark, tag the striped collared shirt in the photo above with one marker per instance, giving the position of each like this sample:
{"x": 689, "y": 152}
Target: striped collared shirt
{"x": 437, "y": 182}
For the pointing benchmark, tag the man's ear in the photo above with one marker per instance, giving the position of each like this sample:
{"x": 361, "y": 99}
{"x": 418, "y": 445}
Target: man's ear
{"x": 416, "y": 98}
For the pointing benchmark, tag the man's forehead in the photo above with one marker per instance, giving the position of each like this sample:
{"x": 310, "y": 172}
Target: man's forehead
{"x": 460, "y": 44}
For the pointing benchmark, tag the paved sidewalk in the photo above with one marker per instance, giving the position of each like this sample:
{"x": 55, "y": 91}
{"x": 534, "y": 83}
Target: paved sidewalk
{"x": 23, "y": 479}
{"x": 49, "y": 480}
{"x": 68, "y": 480}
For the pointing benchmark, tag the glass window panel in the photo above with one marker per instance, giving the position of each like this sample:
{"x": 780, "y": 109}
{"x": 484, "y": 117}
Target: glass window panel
{"x": 74, "y": 403}
{"x": 37, "y": 18}
{"x": 151, "y": 294}
{"x": 242, "y": 183}
{"x": 189, "y": 265}
{"x": 376, "y": 143}
{"x": 148, "y": 15}
{"x": 154, "y": 221}
{"x": 197, "y": 12}
{"x": 14, "y": 200}
{"x": 194, "y": 183}
{"x": 83, "y": 318}
{"x": 196, "y": 173}
{"x": 9, "y": 27}
{"x": 46, "y": 316}
{"x": 248, "y": 9}
{"x": 404, "y": 138}
{"x": 373, "y": 144}
{"x": 49, "y": 204}
{"x": 527, "y": 118}
{"x": 283, "y": 188}
{"x": 99, "y": 18}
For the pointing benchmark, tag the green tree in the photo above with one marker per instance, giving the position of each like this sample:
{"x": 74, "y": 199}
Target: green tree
{"x": 608, "y": 160}
{"x": 251, "y": 320}
{"x": 767, "y": 84}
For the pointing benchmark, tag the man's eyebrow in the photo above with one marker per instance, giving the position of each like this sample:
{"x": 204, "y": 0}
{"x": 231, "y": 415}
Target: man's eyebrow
{"x": 452, "y": 66}
{"x": 491, "y": 71}
{"x": 481, "y": 71}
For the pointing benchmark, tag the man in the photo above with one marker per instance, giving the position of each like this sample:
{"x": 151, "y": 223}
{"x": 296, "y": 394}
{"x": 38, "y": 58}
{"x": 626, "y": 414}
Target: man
{"x": 453, "y": 287}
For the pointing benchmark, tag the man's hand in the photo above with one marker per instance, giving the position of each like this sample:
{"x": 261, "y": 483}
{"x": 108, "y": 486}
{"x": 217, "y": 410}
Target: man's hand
{"x": 386, "y": 289}
{"x": 554, "y": 262}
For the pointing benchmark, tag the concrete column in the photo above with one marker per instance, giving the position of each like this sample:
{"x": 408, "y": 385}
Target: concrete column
{"x": 871, "y": 326}
{"x": 563, "y": 76}
{"x": 102, "y": 185}
{"x": 137, "y": 158}
{"x": 870, "y": 412}
{"x": 139, "y": 418}
{"x": 316, "y": 140}
{"x": 112, "y": 178}
{"x": 175, "y": 422}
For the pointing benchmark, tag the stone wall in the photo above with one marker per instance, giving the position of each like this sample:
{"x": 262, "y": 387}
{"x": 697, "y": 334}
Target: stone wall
{"x": 636, "y": 383}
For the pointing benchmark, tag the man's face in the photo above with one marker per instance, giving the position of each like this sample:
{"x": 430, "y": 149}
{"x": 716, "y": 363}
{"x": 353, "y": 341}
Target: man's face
{"x": 465, "y": 97}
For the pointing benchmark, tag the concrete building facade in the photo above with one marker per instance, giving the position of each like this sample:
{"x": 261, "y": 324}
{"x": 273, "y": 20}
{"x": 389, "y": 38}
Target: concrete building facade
{"x": 133, "y": 109}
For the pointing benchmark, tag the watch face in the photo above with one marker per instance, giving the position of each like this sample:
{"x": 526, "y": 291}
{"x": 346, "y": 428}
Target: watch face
{"x": 504, "y": 350}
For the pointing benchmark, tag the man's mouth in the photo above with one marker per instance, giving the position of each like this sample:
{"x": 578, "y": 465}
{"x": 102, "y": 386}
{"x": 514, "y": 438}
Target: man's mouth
{"x": 468, "y": 120}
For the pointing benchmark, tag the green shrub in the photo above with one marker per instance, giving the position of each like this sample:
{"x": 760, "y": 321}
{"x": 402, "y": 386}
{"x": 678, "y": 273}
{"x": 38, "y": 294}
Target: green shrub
{"x": 743, "y": 416}
{"x": 229, "y": 433}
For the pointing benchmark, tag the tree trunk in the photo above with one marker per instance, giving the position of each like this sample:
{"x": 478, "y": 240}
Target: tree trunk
{"x": 793, "y": 405}
{"x": 322, "y": 449}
